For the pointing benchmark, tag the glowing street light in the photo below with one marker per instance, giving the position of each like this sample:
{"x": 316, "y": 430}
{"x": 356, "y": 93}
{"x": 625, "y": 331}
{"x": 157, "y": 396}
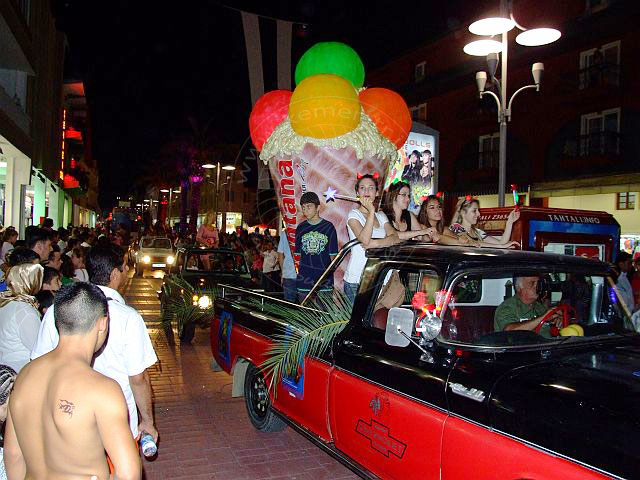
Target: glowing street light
{"x": 502, "y": 25}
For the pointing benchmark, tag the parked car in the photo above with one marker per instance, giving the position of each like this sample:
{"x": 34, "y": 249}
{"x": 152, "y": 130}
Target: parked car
{"x": 153, "y": 253}
{"x": 438, "y": 387}
{"x": 189, "y": 291}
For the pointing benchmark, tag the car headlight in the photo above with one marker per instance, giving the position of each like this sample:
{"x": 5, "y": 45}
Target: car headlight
{"x": 146, "y": 259}
{"x": 204, "y": 302}
{"x": 170, "y": 260}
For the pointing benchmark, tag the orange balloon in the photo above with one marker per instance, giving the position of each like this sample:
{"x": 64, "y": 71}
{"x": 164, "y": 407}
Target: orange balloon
{"x": 389, "y": 112}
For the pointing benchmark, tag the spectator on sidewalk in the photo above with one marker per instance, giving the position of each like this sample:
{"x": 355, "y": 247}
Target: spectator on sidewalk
{"x": 129, "y": 351}
{"x": 288, "y": 269}
{"x": 19, "y": 316}
{"x": 51, "y": 280}
{"x": 63, "y": 415}
{"x": 270, "y": 268}
{"x": 78, "y": 258}
{"x": 39, "y": 240}
{"x": 9, "y": 238}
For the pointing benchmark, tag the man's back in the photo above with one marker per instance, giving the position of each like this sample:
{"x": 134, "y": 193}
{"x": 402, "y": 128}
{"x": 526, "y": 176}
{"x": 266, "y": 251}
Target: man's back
{"x": 61, "y": 411}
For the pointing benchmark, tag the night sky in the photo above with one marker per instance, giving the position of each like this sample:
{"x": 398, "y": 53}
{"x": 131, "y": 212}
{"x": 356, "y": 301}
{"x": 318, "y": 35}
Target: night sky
{"x": 149, "y": 66}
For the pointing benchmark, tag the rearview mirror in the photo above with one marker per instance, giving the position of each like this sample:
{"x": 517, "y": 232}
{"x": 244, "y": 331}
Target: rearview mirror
{"x": 398, "y": 319}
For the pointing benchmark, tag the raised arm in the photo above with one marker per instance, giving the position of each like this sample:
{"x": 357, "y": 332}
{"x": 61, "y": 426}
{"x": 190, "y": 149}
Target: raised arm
{"x": 505, "y": 238}
{"x": 113, "y": 425}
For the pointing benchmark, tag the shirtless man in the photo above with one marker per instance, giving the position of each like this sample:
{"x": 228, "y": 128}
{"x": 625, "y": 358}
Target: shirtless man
{"x": 63, "y": 415}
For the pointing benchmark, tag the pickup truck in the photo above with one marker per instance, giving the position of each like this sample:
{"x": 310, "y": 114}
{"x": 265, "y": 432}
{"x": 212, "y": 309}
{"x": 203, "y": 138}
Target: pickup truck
{"x": 438, "y": 387}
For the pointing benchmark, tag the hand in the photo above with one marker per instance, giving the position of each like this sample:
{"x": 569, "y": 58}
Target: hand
{"x": 150, "y": 428}
{"x": 512, "y": 244}
{"x": 555, "y": 318}
{"x": 514, "y": 215}
{"x": 367, "y": 203}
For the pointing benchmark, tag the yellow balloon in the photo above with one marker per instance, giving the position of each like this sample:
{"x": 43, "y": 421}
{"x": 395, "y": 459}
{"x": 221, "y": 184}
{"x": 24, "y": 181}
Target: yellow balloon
{"x": 324, "y": 106}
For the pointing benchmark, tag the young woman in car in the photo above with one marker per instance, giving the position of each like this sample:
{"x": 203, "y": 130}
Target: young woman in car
{"x": 370, "y": 227}
{"x": 396, "y": 207}
{"x": 463, "y": 226}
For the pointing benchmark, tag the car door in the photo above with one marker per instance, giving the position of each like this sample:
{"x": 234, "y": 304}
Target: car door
{"x": 387, "y": 407}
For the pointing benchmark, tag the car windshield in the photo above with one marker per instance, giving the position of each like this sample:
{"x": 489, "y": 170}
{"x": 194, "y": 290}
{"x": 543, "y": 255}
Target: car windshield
{"x": 215, "y": 262}
{"x": 527, "y": 308}
{"x": 163, "y": 243}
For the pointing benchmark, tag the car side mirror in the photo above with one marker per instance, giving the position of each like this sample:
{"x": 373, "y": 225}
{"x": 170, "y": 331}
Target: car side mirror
{"x": 398, "y": 320}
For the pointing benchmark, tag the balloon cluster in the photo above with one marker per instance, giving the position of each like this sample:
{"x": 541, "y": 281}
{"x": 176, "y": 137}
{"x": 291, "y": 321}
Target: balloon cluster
{"x": 328, "y": 100}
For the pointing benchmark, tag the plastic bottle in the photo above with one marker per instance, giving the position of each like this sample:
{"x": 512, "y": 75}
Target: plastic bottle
{"x": 147, "y": 445}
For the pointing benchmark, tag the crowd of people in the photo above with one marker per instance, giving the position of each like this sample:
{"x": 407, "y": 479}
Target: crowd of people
{"x": 73, "y": 356}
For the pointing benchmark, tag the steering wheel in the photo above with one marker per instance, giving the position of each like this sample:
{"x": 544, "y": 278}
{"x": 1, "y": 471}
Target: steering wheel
{"x": 564, "y": 310}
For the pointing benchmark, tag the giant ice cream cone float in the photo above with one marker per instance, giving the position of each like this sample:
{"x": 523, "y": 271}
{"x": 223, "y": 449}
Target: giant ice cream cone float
{"x": 325, "y": 133}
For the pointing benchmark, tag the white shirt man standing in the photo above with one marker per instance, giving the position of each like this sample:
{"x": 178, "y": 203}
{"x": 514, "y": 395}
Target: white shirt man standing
{"x": 128, "y": 351}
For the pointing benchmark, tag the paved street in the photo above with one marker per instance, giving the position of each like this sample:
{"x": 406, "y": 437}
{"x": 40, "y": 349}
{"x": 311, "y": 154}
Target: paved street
{"x": 204, "y": 433}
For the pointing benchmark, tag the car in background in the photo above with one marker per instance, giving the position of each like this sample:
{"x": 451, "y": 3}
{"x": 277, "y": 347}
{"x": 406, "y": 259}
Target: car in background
{"x": 153, "y": 253}
{"x": 189, "y": 292}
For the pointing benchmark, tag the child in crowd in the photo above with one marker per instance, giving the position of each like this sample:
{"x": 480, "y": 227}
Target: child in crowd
{"x": 316, "y": 245}
{"x": 80, "y": 273}
{"x": 270, "y": 268}
{"x": 370, "y": 227}
{"x": 45, "y": 299}
{"x": 51, "y": 279}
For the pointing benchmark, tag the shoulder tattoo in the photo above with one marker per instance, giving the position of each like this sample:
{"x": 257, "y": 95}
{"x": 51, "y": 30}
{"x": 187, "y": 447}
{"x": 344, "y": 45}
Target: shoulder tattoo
{"x": 66, "y": 407}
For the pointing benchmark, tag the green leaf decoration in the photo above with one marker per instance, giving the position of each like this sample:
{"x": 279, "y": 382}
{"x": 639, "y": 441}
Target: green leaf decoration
{"x": 178, "y": 302}
{"x": 302, "y": 332}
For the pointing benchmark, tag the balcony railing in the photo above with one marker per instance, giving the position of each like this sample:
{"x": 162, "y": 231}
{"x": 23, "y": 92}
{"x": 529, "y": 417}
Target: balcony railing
{"x": 488, "y": 159}
{"x": 599, "y": 75}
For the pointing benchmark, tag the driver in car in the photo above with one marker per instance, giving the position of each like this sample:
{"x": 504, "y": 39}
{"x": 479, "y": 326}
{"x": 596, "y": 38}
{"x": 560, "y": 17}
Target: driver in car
{"x": 524, "y": 310}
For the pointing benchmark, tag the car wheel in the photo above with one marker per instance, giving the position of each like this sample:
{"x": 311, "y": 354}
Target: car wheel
{"x": 258, "y": 402}
{"x": 188, "y": 332}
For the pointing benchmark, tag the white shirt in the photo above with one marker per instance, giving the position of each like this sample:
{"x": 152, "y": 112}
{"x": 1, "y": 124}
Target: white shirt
{"x": 358, "y": 260}
{"x": 6, "y": 248}
{"x": 62, "y": 244}
{"x": 81, "y": 275}
{"x": 626, "y": 292}
{"x": 270, "y": 262}
{"x": 19, "y": 325}
{"x": 128, "y": 351}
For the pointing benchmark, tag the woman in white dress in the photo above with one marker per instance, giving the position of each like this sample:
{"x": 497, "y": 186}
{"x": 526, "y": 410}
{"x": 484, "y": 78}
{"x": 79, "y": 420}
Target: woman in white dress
{"x": 370, "y": 227}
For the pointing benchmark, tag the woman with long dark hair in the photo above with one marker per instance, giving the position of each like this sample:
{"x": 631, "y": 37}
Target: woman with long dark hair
{"x": 370, "y": 227}
{"x": 396, "y": 207}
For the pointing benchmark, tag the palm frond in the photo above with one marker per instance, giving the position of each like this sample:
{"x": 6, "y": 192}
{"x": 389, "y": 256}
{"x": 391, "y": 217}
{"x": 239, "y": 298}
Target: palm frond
{"x": 178, "y": 301}
{"x": 303, "y": 332}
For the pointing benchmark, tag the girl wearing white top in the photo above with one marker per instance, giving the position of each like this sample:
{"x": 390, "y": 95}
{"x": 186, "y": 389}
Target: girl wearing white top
{"x": 370, "y": 227}
{"x": 80, "y": 273}
{"x": 463, "y": 226}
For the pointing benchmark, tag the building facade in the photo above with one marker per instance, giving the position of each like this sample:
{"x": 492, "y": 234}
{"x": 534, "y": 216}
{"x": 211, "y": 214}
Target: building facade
{"x": 571, "y": 145}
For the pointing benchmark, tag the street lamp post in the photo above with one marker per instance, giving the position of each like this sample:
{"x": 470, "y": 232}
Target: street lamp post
{"x": 491, "y": 48}
{"x": 218, "y": 167}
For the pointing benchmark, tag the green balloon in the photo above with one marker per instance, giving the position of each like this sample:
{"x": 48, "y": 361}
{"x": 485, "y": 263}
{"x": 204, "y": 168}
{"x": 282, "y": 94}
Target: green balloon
{"x": 331, "y": 57}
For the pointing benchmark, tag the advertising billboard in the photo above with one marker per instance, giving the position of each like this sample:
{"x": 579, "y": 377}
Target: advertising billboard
{"x": 417, "y": 164}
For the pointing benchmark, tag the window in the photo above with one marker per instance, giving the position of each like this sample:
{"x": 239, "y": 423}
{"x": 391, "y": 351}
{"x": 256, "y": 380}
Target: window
{"x": 600, "y": 133}
{"x": 415, "y": 288}
{"x": 488, "y": 150}
{"x": 483, "y": 308}
{"x": 419, "y": 72}
{"x": 626, "y": 201}
{"x": 600, "y": 66}
{"x": 419, "y": 112}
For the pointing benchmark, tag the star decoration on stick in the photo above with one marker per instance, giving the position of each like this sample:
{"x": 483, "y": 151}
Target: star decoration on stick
{"x": 332, "y": 195}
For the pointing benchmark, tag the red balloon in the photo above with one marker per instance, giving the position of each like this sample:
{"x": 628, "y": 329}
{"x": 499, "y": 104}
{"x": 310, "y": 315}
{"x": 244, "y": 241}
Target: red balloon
{"x": 269, "y": 111}
{"x": 389, "y": 112}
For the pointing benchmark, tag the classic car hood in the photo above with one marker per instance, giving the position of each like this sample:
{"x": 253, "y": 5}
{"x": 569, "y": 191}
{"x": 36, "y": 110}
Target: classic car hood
{"x": 156, "y": 251}
{"x": 212, "y": 280}
{"x": 584, "y": 405}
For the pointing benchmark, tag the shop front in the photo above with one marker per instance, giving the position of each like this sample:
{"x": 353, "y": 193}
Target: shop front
{"x": 15, "y": 169}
